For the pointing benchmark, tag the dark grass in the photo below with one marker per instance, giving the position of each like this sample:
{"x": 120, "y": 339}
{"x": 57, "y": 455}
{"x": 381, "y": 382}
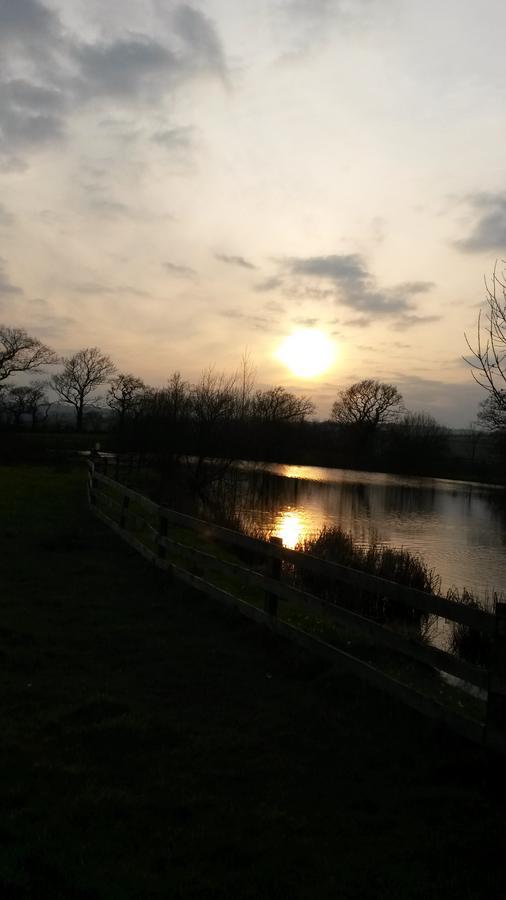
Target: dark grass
{"x": 468, "y": 643}
{"x": 155, "y": 746}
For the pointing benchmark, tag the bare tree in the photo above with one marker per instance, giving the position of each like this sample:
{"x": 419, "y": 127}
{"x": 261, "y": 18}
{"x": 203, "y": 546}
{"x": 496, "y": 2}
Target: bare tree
{"x": 246, "y": 382}
{"x": 418, "y": 440}
{"x": 26, "y": 400}
{"x": 214, "y": 404}
{"x": 488, "y": 361}
{"x": 213, "y": 399}
{"x": 125, "y": 396}
{"x": 368, "y": 403}
{"x": 19, "y": 352}
{"x": 491, "y": 415}
{"x": 82, "y": 374}
{"x": 278, "y": 405}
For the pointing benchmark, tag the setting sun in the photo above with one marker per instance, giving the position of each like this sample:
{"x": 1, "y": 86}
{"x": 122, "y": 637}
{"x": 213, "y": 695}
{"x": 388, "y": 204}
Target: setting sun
{"x": 307, "y": 353}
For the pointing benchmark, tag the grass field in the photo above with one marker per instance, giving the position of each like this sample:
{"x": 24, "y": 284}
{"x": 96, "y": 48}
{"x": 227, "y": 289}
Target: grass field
{"x": 154, "y": 746}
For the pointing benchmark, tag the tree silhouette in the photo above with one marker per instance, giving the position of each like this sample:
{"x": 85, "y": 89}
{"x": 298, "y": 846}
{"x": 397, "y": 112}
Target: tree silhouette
{"x": 125, "y": 396}
{"x": 367, "y": 404}
{"x": 82, "y": 374}
{"x": 19, "y": 352}
{"x": 488, "y": 361}
{"x": 27, "y": 399}
{"x": 278, "y": 405}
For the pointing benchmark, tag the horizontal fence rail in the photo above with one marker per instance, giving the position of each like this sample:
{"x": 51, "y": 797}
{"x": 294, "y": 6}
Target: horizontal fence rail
{"x": 133, "y": 509}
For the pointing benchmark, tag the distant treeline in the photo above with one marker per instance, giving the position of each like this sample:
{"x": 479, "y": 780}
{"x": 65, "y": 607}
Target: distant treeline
{"x": 229, "y": 417}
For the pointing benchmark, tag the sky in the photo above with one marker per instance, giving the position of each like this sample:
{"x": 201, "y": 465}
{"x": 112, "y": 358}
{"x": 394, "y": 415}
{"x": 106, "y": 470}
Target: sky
{"x": 182, "y": 183}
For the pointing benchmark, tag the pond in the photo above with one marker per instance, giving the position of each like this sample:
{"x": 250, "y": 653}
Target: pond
{"x": 458, "y": 528}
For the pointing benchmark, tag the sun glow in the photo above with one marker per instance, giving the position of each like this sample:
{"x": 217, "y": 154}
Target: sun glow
{"x": 307, "y": 353}
{"x": 292, "y": 526}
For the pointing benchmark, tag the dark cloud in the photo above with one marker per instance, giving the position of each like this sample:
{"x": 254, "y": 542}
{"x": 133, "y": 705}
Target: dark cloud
{"x": 25, "y": 21}
{"x": 32, "y": 104}
{"x": 22, "y": 130}
{"x": 141, "y": 66}
{"x": 354, "y": 286}
{"x": 31, "y": 96}
{"x": 235, "y": 261}
{"x": 199, "y": 34}
{"x": 129, "y": 68}
{"x": 48, "y": 74}
{"x": 488, "y": 234}
{"x": 181, "y": 271}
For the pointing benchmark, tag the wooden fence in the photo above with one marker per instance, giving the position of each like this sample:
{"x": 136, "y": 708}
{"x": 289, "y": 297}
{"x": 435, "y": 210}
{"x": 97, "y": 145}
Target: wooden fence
{"x": 146, "y": 526}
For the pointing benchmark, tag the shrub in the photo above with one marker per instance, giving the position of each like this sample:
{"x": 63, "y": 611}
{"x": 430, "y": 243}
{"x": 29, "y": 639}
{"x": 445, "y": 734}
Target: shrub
{"x": 336, "y": 545}
{"x": 464, "y": 641}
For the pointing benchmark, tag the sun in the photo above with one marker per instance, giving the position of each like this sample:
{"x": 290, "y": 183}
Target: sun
{"x": 307, "y": 353}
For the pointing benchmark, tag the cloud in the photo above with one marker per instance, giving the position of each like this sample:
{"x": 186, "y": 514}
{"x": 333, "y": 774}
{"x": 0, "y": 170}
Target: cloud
{"x": 31, "y": 99}
{"x": 174, "y": 138}
{"x": 258, "y": 322}
{"x": 269, "y": 284}
{"x": 489, "y": 230}
{"x": 6, "y": 285}
{"x": 409, "y": 320}
{"x": 309, "y": 22}
{"x": 235, "y": 261}
{"x": 98, "y": 287}
{"x": 130, "y": 67}
{"x": 6, "y": 217}
{"x": 49, "y": 75}
{"x": 10, "y": 164}
{"x": 352, "y": 285}
{"x": 181, "y": 271}
{"x": 200, "y": 35}
{"x": 306, "y": 322}
{"x": 49, "y": 325}
{"x": 359, "y": 322}
{"x": 451, "y": 403}
{"x": 136, "y": 66}
{"x": 26, "y": 21}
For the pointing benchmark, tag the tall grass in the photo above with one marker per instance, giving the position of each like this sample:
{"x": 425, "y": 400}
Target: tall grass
{"x": 466, "y": 642}
{"x": 401, "y": 566}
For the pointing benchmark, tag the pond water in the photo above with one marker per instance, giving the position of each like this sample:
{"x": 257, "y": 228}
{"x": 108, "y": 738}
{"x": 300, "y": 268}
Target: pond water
{"x": 458, "y": 528}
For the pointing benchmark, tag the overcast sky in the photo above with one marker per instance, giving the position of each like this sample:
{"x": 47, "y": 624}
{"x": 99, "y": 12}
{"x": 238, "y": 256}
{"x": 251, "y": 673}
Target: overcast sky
{"x": 180, "y": 182}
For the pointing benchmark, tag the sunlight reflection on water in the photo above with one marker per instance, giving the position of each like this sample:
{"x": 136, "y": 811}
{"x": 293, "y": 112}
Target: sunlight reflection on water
{"x": 292, "y": 526}
{"x": 458, "y": 528}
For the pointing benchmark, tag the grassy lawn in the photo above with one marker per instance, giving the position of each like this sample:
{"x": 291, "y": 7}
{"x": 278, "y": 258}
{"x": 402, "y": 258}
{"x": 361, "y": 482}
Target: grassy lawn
{"x": 155, "y": 746}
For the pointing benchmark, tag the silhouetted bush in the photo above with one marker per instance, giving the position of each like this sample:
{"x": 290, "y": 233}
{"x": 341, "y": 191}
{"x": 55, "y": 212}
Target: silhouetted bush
{"x": 466, "y": 642}
{"x": 401, "y": 566}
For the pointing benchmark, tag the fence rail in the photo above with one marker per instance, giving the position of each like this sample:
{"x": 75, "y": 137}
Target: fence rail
{"x": 134, "y": 509}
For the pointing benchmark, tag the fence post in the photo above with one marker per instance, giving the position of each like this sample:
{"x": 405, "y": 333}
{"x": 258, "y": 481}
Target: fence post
{"x": 271, "y": 600}
{"x": 124, "y": 511}
{"x": 496, "y": 704}
{"x": 91, "y": 483}
{"x": 162, "y": 533}
{"x": 116, "y": 469}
